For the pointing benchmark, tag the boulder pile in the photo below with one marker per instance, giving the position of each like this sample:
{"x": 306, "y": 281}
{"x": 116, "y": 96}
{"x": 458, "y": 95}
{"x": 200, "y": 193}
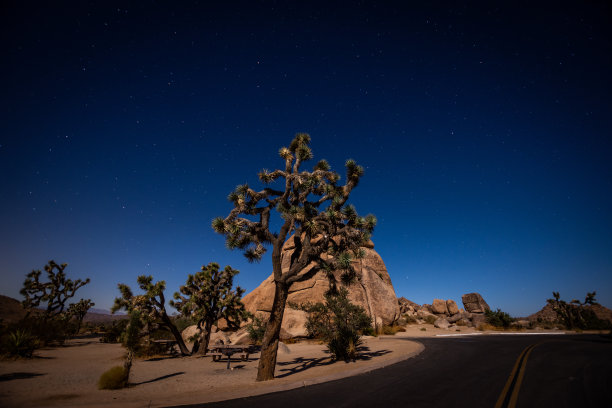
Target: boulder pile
{"x": 373, "y": 291}
{"x": 446, "y": 314}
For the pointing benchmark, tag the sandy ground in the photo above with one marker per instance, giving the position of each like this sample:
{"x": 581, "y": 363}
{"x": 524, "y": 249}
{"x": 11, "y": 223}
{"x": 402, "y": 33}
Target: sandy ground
{"x": 68, "y": 375}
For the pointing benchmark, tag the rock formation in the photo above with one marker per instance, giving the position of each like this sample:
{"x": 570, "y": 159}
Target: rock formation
{"x": 446, "y": 313}
{"x": 474, "y": 303}
{"x": 372, "y": 290}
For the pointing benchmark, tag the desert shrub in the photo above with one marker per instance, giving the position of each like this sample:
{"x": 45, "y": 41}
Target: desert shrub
{"x": 19, "y": 343}
{"x": 423, "y": 328}
{"x": 430, "y": 319}
{"x": 112, "y": 333}
{"x": 47, "y": 330}
{"x": 339, "y": 323}
{"x": 392, "y": 329}
{"x": 407, "y": 319}
{"x": 256, "y": 329}
{"x": 498, "y": 318}
{"x": 113, "y": 379}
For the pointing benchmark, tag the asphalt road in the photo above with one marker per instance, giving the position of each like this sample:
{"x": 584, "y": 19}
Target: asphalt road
{"x": 478, "y": 371}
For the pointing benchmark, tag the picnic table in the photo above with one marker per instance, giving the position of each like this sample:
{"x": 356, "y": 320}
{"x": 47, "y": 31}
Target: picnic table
{"x": 219, "y": 350}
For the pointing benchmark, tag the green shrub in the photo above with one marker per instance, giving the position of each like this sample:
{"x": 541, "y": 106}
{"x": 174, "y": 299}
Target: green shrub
{"x": 339, "y": 323}
{"x": 113, "y": 379}
{"x": 498, "y": 318}
{"x": 430, "y": 319}
{"x": 423, "y": 328}
{"x": 256, "y": 329}
{"x": 20, "y": 343}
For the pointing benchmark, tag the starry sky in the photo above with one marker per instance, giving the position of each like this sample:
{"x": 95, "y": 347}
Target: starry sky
{"x": 484, "y": 131}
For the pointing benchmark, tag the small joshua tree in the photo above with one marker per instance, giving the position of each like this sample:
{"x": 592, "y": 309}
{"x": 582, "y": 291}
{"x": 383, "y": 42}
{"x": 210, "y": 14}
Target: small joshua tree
{"x": 207, "y": 296}
{"x": 151, "y": 306}
{"x": 79, "y": 310}
{"x": 327, "y": 232}
{"x": 54, "y": 293}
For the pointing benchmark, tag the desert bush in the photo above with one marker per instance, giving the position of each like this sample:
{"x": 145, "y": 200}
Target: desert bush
{"x": 113, "y": 379}
{"x": 407, "y": 319}
{"x": 256, "y": 329}
{"x": 391, "y": 330}
{"x": 423, "y": 328}
{"x": 498, "y": 318}
{"x": 339, "y": 323}
{"x": 112, "y": 333}
{"x": 430, "y": 319}
{"x": 19, "y": 343}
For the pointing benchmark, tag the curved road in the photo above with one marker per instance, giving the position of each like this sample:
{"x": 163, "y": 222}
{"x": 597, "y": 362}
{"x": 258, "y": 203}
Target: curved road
{"x": 477, "y": 371}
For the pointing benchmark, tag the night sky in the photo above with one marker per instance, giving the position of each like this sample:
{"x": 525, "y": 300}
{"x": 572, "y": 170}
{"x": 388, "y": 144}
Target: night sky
{"x": 484, "y": 131}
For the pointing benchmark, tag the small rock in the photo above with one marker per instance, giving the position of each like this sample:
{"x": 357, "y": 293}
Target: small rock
{"x": 441, "y": 324}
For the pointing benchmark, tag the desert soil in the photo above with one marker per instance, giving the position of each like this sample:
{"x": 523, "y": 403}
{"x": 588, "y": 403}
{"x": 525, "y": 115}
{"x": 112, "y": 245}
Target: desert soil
{"x": 68, "y": 375}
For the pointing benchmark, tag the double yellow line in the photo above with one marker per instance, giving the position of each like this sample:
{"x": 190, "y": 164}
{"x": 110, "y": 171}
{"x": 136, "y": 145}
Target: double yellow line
{"x": 509, "y": 395}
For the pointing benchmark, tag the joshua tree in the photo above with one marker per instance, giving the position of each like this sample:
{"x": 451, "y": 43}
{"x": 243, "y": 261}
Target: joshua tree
{"x": 54, "y": 293}
{"x": 327, "y": 233}
{"x": 208, "y": 298}
{"x": 79, "y": 310}
{"x": 151, "y": 306}
{"x": 130, "y": 340}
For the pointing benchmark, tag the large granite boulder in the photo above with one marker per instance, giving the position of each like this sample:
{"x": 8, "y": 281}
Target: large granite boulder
{"x": 474, "y": 303}
{"x": 373, "y": 291}
{"x": 452, "y": 307}
{"x": 439, "y": 307}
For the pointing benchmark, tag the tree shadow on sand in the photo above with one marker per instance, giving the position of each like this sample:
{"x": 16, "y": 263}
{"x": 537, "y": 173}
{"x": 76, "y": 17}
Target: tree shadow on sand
{"x": 163, "y": 357}
{"x": 18, "y": 376}
{"x": 163, "y": 377}
{"x": 303, "y": 364}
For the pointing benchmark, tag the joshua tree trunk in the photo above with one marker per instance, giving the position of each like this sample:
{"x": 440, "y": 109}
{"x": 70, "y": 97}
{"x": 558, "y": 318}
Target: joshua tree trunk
{"x": 269, "y": 346}
{"x": 201, "y": 344}
{"x": 127, "y": 366}
{"x": 176, "y": 334}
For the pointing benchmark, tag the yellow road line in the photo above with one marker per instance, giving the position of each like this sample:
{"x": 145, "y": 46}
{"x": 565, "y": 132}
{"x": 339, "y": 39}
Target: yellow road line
{"x": 519, "y": 380}
{"x": 502, "y": 396}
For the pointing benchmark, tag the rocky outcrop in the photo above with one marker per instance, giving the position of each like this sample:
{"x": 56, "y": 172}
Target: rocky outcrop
{"x": 547, "y": 314}
{"x": 439, "y": 307}
{"x": 446, "y": 312}
{"x": 452, "y": 307}
{"x": 474, "y": 303}
{"x": 406, "y": 305}
{"x": 373, "y": 291}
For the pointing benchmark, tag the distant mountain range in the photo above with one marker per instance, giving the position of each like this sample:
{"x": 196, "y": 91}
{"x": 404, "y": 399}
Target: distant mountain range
{"x": 11, "y": 311}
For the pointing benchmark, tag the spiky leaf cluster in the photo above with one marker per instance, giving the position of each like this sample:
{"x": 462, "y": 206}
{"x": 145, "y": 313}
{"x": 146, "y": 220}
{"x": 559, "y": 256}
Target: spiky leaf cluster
{"x": 150, "y": 306}
{"x": 208, "y": 296}
{"x": 53, "y": 293}
{"x": 312, "y": 206}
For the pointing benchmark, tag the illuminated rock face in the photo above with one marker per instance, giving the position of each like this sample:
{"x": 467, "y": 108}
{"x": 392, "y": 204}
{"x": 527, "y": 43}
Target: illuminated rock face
{"x": 373, "y": 291}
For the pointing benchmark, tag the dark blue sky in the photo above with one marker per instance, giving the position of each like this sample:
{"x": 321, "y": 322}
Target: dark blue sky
{"x": 484, "y": 131}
